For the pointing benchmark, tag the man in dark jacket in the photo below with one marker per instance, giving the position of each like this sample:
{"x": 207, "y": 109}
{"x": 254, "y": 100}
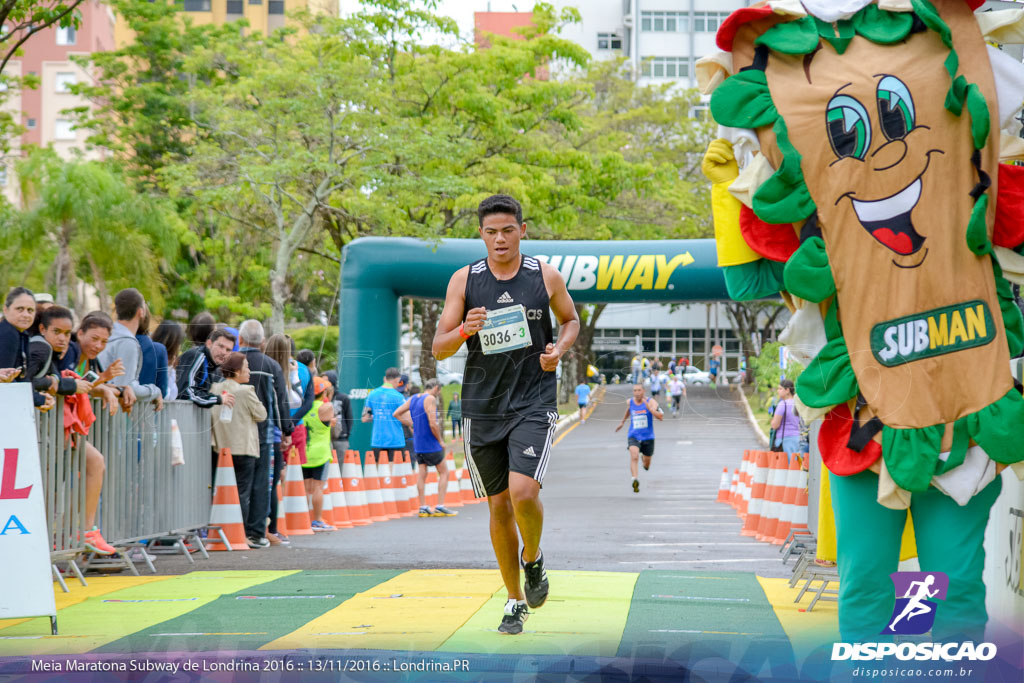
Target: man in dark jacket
{"x": 197, "y": 370}
{"x": 266, "y": 375}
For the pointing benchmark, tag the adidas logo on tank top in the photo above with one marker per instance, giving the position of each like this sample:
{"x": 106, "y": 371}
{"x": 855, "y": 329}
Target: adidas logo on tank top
{"x": 505, "y": 298}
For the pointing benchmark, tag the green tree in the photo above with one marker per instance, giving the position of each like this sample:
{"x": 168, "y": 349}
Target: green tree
{"x": 87, "y": 222}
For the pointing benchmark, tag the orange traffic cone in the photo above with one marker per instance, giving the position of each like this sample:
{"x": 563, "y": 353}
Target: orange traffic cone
{"x": 800, "y": 504}
{"x": 296, "y": 512}
{"x": 374, "y": 499}
{"x": 452, "y": 497}
{"x": 226, "y": 512}
{"x": 759, "y": 481}
{"x": 743, "y": 497}
{"x": 773, "y": 497}
{"x": 355, "y": 489}
{"x": 723, "y": 487}
{"x": 387, "y": 487}
{"x": 400, "y": 478}
{"x": 337, "y": 494}
{"x": 788, "y": 499}
{"x": 466, "y": 487}
{"x": 411, "y": 472}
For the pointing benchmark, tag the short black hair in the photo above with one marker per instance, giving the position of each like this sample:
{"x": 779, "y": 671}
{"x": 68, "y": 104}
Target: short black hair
{"x": 96, "y": 319}
{"x": 221, "y": 334}
{"x": 200, "y": 327}
{"x": 305, "y": 356}
{"x": 45, "y": 318}
{"x": 499, "y": 203}
{"x": 127, "y": 303}
{"x": 392, "y": 373}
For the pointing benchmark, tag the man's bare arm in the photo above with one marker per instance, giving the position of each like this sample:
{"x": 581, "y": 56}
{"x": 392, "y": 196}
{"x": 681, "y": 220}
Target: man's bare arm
{"x": 565, "y": 313}
{"x": 447, "y": 339}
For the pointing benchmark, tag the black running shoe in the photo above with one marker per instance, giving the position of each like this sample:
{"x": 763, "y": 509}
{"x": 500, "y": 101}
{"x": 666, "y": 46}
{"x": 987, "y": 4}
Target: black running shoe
{"x": 536, "y": 584}
{"x": 515, "y": 614}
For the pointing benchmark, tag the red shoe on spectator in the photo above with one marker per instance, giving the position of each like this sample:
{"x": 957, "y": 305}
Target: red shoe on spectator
{"x": 94, "y": 542}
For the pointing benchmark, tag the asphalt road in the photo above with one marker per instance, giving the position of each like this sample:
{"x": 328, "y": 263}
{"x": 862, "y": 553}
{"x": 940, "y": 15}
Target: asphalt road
{"x": 593, "y": 519}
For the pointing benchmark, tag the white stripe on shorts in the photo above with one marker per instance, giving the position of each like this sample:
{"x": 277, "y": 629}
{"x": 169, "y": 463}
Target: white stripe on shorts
{"x": 474, "y": 473}
{"x": 542, "y": 466}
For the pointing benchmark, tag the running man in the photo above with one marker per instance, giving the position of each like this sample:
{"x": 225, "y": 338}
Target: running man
{"x": 500, "y": 307}
{"x": 640, "y": 438}
{"x": 916, "y": 607}
{"x": 419, "y": 414}
{"x": 583, "y": 399}
{"x": 677, "y": 390}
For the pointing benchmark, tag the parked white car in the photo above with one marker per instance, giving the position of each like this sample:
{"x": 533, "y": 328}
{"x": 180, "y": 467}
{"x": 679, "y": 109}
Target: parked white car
{"x": 694, "y": 375}
{"x": 446, "y": 377}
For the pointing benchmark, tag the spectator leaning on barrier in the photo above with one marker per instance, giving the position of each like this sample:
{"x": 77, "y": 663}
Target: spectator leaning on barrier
{"x": 91, "y": 338}
{"x": 170, "y": 334}
{"x": 46, "y": 351}
{"x": 19, "y": 314}
{"x": 130, "y": 308}
{"x": 318, "y": 450}
{"x": 197, "y": 370}
{"x": 266, "y": 376}
{"x": 240, "y": 435}
{"x": 387, "y": 435}
{"x": 153, "y": 356}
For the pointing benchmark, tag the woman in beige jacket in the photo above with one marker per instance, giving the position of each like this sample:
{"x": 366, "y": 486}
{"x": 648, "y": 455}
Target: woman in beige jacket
{"x": 239, "y": 433}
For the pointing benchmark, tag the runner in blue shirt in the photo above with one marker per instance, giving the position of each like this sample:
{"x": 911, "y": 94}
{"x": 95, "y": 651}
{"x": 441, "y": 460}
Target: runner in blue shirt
{"x": 380, "y": 407}
{"x": 583, "y": 399}
{"x": 640, "y": 412}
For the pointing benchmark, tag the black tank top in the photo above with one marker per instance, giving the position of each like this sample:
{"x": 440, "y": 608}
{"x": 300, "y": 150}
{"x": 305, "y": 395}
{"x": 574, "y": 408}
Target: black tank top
{"x": 504, "y": 385}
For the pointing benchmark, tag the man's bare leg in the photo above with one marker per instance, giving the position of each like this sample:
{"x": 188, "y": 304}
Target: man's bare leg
{"x": 94, "y": 469}
{"x": 505, "y": 541}
{"x": 314, "y": 489}
{"x": 634, "y": 457}
{"x": 529, "y": 512}
{"x": 442, "y": 482}
{"x": 421, "y": 484}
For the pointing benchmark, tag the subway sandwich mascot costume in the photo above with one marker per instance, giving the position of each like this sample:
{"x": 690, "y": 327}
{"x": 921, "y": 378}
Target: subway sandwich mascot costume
{"x": 863, "y": 171}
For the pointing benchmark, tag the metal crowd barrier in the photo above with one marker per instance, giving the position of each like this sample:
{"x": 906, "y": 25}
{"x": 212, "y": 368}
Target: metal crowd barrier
{"x": 143, "y": 496}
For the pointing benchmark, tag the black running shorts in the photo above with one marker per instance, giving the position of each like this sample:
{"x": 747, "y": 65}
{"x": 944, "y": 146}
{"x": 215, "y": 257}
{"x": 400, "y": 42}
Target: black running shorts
{"x": 646, "y": 447}
{"x": 314, "y": 472}
{"x": 496, "y": 447}
{"x": 429, "y": 459}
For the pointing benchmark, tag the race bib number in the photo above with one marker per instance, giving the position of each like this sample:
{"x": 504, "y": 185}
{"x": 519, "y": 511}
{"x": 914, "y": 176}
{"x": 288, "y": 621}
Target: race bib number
{"x": 639, "y": 421}
{"x": 505, "y": 330}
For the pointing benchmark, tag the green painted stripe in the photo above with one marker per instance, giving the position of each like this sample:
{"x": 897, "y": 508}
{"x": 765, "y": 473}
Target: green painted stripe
{"x": 584, "y": 615}
{"x": 252, "y": 616}
{"x": 688, "y": 616}
{"x": 100, "y": 620}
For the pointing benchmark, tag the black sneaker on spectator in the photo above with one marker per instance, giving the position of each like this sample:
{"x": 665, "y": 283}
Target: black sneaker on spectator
{"x": 536, "y": 584}
{"x": 515, "y": 614}
{"x": 257, "y": 543}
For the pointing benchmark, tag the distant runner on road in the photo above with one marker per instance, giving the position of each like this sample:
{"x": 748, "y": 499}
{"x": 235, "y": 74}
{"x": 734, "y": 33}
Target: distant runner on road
{"x": 677, "y": 390}
{"x": 640, "y": 438}
{"x": 500, "y": 307}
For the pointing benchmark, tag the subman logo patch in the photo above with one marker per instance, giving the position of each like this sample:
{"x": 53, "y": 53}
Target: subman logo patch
{"x": 932, "y": 333}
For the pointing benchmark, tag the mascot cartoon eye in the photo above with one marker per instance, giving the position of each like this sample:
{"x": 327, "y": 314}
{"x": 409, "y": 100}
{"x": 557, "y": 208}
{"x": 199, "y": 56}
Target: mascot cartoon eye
{"x": 849, "y": 128}
{"x": 895, "y": 108}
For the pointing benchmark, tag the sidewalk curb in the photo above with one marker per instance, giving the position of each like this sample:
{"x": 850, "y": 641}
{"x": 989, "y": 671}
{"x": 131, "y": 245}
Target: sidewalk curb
{"x": 750, "y": 416}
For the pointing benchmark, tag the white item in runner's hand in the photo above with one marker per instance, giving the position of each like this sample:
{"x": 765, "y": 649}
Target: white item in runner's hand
{"x": 505, "y": 329}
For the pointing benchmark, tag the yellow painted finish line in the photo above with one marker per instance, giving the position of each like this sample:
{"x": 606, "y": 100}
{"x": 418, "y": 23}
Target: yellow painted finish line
{"x": 98, "y": 585}
{"x": 106, "y": 617}
{"x": 806, "y": 630}
{"x": 585, "y": 615}
{"x": 417, "y": 610}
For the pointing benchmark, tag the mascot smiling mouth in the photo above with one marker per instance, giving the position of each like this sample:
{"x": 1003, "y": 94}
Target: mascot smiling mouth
{"x": 888, "y": 220}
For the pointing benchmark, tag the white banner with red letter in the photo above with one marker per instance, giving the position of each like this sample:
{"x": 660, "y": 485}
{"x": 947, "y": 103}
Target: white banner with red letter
{"x": 25, "y": 569}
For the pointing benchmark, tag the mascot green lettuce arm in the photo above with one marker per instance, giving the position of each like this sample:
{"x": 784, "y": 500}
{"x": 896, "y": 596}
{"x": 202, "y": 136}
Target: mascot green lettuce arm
{"x": 859, "y": 172}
